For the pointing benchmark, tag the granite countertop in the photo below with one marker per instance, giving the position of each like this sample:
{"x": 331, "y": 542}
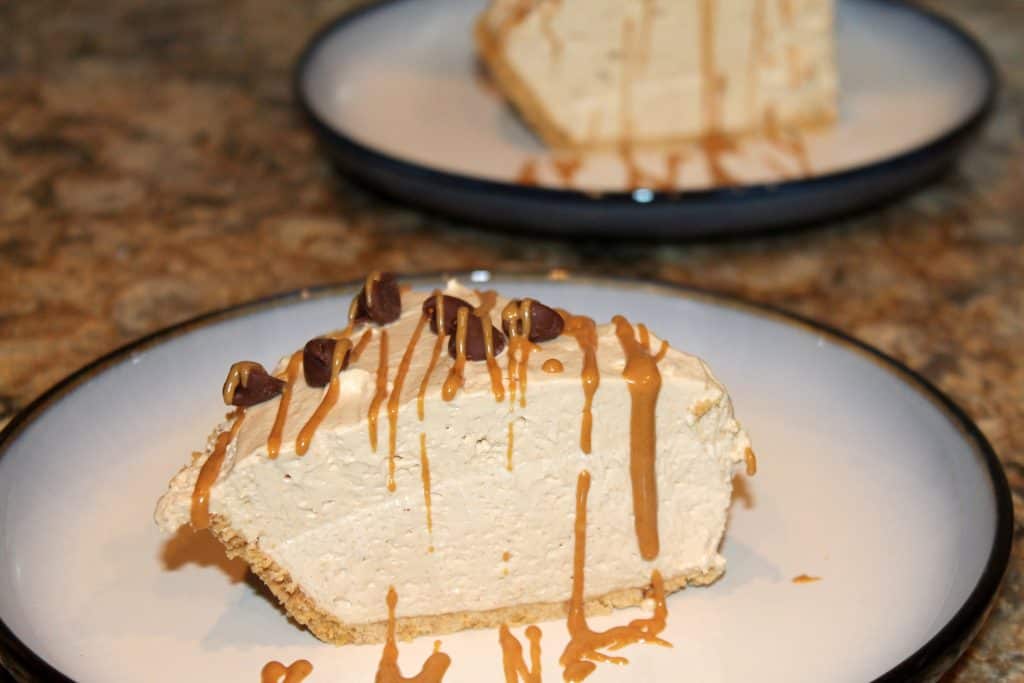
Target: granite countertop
{"x": 142, "y": 142}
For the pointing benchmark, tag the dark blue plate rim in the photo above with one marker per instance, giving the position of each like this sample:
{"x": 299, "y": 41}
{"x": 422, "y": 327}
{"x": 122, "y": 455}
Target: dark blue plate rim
{"x": 370, "y": 156}
{"x": 933, "y": 657}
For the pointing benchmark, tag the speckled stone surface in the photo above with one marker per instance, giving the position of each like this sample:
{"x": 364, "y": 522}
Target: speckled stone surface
{"x": 141, "y": 143}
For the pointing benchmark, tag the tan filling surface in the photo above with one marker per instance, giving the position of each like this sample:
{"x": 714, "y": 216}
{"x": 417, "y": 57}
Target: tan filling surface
{"x": 327, "y": 628}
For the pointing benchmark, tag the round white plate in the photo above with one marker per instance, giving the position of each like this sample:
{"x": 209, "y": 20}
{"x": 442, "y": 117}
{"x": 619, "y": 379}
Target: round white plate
{"x": 397, "y": 89}
{"x": 868, "y": 478}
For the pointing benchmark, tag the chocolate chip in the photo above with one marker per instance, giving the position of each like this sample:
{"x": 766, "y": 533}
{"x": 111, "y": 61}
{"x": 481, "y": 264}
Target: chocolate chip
{"x": 259, "y": 387}
{"x": 451, "y": 306}
{"x": 316, "y": 361}
{"x": 386, "y": 302}
{"x": 475, "y": 349}
{"x": 545, "y": 323}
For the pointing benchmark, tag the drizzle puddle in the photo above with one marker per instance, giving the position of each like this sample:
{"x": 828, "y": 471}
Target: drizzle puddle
{"x": 200, "y": 548}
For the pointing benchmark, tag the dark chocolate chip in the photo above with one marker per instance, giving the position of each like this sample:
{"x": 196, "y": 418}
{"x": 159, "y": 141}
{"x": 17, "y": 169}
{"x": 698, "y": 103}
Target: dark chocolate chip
{"x": 386, "y": 301}
{"x": 475, "y": 349}
{"x": 545, "y": 323}
{"x": 259, "y": 387}
{"x": 451, "y": 305}
{"x": 316, "y": 361}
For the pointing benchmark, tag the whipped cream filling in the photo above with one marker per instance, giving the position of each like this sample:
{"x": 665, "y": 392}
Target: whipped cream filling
{"x": 499, "y": 536}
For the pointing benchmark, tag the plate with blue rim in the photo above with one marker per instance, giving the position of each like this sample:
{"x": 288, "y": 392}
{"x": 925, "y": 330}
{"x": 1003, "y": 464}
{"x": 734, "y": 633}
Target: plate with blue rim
{"x": 870, "y": 480}
{"x": 399, "y": 102}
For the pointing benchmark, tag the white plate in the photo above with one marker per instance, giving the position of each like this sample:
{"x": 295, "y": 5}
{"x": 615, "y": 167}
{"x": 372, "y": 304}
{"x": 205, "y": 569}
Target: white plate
{"x": 397, "y": 96}
{"x": 868, "y": 478}
{"x": 403, "y": 80}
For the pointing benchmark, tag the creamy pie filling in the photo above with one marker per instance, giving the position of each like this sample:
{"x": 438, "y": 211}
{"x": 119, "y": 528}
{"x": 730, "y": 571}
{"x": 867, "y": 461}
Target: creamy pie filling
{"x": 474, "y": 508}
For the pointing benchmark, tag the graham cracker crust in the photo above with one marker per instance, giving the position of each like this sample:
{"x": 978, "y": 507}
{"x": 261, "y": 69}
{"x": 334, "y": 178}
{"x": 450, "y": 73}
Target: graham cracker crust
{"x": 328, "y": 629}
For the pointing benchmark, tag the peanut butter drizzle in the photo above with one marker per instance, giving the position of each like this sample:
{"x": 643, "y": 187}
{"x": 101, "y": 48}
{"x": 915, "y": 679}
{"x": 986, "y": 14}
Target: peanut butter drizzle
{"x": 276, "y": 672}
{"x": 661, "y": 351}
{"x": 343, "y": 333}
{"x": 567, "y": 169}
{"x": 552, "y": 366}
{"x": 305, "y": 436}
{"x": 352, "y": 308}
{"x": 751, "y": 461}
{"x": 805, "y": 578}
{"x": 645, "y": 336}
{"x": 789, "y": 142}
{"x": 438, "y": 345}
{"x": 554, "y": 42}
{"x": 714, "y": 143}
{"x": 276, "y": 432}
{"x": 786, "y": 11}
{"x": 585, "y": 331}
{"x": 756, "y": 57}
{"x": 644, "y": 383}
{"x": 361, "y": 345}
{"x": 200, "y": 513}
{"x": 716, "y": 146}
{"x": 583, "y": 652}
{"x": 710, "y": 78}
{"x": 497, "y": 387}
{"x": 512, "y": 661}
{"x": 786, "y": 17}
{"x": 396, "y": 395}
{"x": 634, "y": 174}
{"x": 388, "y": 672}
{"x": 381, "y": 391}
{"x": 673, "y": 163}
{"x": 775, "y": 166}
{"x": 527, "y": 173}
{"x": 646, "y": 34}
{"x": 238, "y": 375}
{"x": 456, "y": 377}
{"x": 626, "y": 80}
{"x": 519, "y": 346}
{"x": 425, "y": 477}
{"x": 645, "y": 341}
{"x": 487, "y": 300}
{"x": 508, "y": 455}
{"x": 637, "y": 177}
{"x": 373, "y": 276}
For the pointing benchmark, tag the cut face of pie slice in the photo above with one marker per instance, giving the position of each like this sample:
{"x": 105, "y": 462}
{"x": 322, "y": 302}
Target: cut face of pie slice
{"x": 436, "y": 448}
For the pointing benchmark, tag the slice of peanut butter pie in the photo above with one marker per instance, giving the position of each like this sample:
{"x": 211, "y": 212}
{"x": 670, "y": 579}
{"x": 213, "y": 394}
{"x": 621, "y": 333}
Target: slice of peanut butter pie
{"x": 436, "y": 447}
{"x": 591, "y": 74}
